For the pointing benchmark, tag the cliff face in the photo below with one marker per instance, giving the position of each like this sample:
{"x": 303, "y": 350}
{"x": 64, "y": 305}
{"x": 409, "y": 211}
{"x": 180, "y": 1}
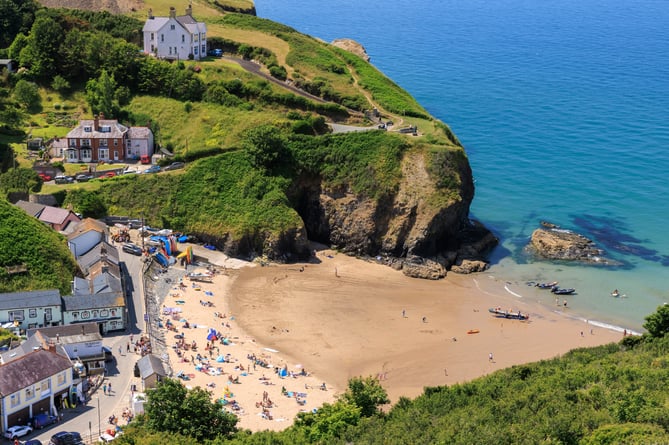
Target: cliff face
{"x": 406, "y": 231}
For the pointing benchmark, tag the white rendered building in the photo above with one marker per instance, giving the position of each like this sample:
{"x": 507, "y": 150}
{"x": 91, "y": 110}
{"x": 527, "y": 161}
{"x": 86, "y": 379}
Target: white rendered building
{"x": 175, "y": 37}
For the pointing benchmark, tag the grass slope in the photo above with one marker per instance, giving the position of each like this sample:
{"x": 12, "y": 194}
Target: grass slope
{"x": 26, "y": 241}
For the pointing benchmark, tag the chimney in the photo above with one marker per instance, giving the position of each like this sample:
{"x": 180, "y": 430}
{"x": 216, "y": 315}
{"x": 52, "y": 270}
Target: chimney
{"x": 189, "y": 10}
{"x": 96, "y": 123}
{"x": 173, "y": 12}
{"x": 150, "y": 14}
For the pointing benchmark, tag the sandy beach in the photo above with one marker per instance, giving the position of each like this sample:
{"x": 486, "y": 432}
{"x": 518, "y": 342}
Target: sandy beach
{"x": 338, "y": 317}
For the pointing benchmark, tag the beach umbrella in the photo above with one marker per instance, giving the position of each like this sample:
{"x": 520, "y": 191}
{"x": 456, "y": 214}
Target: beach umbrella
{"x": 212, "y": 335}
{"x": 183, "y": 320}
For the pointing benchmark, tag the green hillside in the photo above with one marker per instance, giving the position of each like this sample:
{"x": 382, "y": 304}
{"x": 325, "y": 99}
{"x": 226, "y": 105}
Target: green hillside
{"x": 40, "y": 255}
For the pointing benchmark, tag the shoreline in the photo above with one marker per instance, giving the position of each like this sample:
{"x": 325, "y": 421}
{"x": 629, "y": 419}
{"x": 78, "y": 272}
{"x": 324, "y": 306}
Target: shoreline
{"x": 339, "y": 317}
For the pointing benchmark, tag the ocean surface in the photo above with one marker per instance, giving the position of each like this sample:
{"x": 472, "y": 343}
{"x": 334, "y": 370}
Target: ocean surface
{"x": 563, "y": 109}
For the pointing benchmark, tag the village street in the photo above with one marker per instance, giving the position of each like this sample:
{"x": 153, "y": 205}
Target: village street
{"x": 92, "y": 418}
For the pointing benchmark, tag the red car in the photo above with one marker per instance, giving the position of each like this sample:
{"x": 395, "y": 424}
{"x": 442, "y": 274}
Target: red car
{"x": 45, "y": 177}
{"x": 109, "y": 175}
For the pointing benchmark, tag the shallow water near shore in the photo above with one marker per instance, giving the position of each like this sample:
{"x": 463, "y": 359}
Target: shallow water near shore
{"x": 562, "y": 111}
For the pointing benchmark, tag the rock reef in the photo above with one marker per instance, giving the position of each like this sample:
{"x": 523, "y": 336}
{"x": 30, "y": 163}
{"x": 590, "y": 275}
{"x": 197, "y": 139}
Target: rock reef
{"x": 554, "y": 243}
{"x": 351, "y": 46}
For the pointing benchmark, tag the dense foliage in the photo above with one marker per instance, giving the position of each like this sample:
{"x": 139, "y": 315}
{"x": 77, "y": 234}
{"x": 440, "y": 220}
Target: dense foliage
{"x": 25, "y": 241}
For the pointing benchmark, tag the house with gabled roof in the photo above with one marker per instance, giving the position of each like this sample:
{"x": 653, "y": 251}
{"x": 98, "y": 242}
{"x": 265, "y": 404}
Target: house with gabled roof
{"x": 175, "y": 37}
{"x": 55, "y": 217}
{"x": 96, "y": 140}
{"x": 30, "y": 309}
{"x": 151, "y": 370}
{"x": 33, "y": 383}
{"x": 86, "y": 235}
{"x": 82, "y": 343}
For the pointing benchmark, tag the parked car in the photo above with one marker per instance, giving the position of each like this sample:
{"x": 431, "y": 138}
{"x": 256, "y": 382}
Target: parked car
{"x": 66, "y": 438}
{"x": 43, "y": 419}
{"x": 109, "y": 174}
{"x": 62, "y": 179}
{"x": 16, "y": 431}
{"x": 133, "y": 249}
{"x": 45, "y": 177}
{"x": 174, "y": 166}
{"x": 83, "y": 177}
{"x": 215, "y": 52}
{"x": 145, "y": 159}
{"x": 32, "y": 442}
{"x": 152, "y": 169}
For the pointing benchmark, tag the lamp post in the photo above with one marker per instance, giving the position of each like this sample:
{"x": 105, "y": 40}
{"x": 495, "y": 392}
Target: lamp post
{"x": 99, "y": 432}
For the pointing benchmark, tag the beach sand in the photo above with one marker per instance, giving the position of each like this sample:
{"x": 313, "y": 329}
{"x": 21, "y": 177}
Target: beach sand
{"x": 339, "y": 317}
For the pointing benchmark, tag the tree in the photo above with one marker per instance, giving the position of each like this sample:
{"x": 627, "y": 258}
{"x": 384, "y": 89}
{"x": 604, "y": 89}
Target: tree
{"x": 367, "y": 394}
{"x": 329, "y": 422}
{"x": 173, "y": 408}
{"x": 101, "y": 95}
{"x": 23, "y": 180}
{"x": 15, "y": 16}
{"x": 60, "y": 84}
{"x": 27, "y": 94}
{"x": 657, "y": 324}
{"x": 265, "y": 146}
{"x": 41, "y": 53}
{"x": 88, "y": 203}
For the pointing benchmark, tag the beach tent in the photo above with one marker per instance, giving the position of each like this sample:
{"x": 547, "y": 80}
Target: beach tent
{"x": 212, "y": 335}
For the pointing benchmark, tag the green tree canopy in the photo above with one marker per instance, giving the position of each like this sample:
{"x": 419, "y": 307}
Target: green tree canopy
{"x": 657, "y": 324}
{"x": 367, "y": 394}
{"x": 173, "y": 408}
{"x": 20, "y": 180}
{"x": 265, "y": 146}
{"x": 101, "y": 95}
{"x": 27, "y": 94}
{"x": 40, "y": 55}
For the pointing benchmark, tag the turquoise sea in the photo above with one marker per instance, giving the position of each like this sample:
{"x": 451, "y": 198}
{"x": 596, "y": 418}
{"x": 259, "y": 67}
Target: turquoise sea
{"x": 563, "y": 108}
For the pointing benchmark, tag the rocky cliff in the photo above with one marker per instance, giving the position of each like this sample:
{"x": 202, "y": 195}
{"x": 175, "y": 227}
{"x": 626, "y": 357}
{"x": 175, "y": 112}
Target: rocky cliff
{"x": 406, "y": 230}
{"x": 352, "y": 46}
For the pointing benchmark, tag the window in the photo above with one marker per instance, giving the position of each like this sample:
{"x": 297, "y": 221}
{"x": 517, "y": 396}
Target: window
{"x": 195, "y": 37}
{"x": 75, "y": 314}
{"x": 104, "y": 142}
{"x": 15, "y": 400}
{"x": 105, "y": 129}
{"x": 95, "y": 314}
{"x": 204, "y": 49}
{"x": 32, "y": 313}
{"x": 162, "y": 37}
{"x": 61, "y": 378}
{"x": 47, "y": 314}
{"x": 86, "y": 153}
{"x": 104, "y": 313}
{"x": 88, "y": 128}
{"x": 152, "y": 38}
{"x": 72, "y": 143}
{"x": 115, "y": 142}
{"x": 170, "y": 50}
{"x": 85, "y": 315}
{"x": 103, "y": 154}
{"x": 113, "y": 313}
{"x": 195, "y": 50}
{"x": 15, "y": 315}
{"x": 183, "y": 38}
{"x": 172, "y": 27}
{"x": 85, "y": 142}
{"x": 45, "y": 387}
{"x": 30, "y": 393}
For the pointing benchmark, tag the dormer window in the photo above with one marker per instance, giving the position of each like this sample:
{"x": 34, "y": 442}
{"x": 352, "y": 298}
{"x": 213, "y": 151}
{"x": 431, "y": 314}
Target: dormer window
{"x": 172, "y": 27}
{"x": 105, "y": 129}
{"x": 88, "y": 128}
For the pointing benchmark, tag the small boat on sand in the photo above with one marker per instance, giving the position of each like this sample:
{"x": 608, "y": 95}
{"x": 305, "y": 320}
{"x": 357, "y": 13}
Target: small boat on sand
{"x": 547, "y": 285}
{"x": 501, "y": 313}
{"x": 563, "y": 291}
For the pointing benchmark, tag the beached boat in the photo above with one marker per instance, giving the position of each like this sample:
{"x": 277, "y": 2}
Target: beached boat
{"x": 499, "y": 312}
{"x": 199, "y": 276}
{"x": 561, "y": 291}
{"x": 547, "y": 285}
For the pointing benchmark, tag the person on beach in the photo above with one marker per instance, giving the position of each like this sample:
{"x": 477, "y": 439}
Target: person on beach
{"x": 424, "y": 319}
{"x": 404, "y": 313}
{"x": 565, "y": 303}
{"x": 104, "y": 389}
{"x": 490, "y": 357}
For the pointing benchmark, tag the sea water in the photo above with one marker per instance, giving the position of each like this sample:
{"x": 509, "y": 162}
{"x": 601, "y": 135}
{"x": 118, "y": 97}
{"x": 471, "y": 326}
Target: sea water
{"x": 563, "y": 109}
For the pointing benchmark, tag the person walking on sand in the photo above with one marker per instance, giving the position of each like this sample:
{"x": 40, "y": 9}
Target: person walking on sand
{"x": 424, "y": 319}
{"x": 490, "y": 358}
{"x": 404, "y": 313}
{"x": 109, "y": 390}
{"x": 104, "y": 389}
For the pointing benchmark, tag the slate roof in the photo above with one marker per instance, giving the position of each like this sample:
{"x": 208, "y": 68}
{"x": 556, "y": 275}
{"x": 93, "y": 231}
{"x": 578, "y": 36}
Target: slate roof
{"x": 31, "y": 208}
{"x": 139, "y": 133}
{"x": 149, "y": 365}
{"x": 117, "y": 130}
{"x": 93, "y": 256}
{"x": 54, "y": 215}
{"x": 87, "y": 302}
{"x": 154, "y": 24}
{"x": 30, "y": 369}
{"x": 71, "y": 333}
{"x": 30, "y": 299}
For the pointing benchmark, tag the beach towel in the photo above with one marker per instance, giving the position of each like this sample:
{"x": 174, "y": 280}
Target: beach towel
{"x": 209, "y": 293}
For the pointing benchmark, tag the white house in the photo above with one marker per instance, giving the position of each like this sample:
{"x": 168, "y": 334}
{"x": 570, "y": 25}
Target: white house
{"x": 30, "y": 309}
{"x": 33, "y": 383}
{"x": 175, "y": 37}
{"x": 139, "y": 142}
{"x": 86, "y": 235}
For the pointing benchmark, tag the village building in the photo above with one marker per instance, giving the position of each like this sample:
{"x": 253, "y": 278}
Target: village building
{"x": 175, "y": 37}
{"x": 30, "y": 309}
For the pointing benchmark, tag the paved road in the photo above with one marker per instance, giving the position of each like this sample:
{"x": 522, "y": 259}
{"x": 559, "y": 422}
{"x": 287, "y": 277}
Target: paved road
{"x": 92, "y": 418}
